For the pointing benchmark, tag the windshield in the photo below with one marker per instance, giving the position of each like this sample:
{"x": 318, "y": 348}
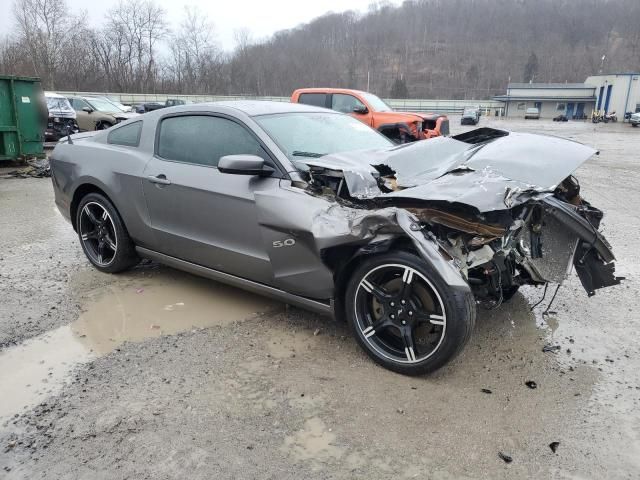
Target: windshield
{"x": 58, "y": 103}
{"x": 318, "y": 134}
{"x": 102, "y": 105}
{"x": 375, "y": 103}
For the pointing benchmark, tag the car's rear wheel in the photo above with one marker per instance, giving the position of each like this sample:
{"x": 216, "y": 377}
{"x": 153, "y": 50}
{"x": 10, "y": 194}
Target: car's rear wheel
{"x": 103, "y": 236}
{"x": 404, "y": 316}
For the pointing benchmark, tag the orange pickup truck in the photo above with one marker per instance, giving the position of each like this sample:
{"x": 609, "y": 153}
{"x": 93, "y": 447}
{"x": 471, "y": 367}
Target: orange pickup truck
{"x": 400, "y": 127}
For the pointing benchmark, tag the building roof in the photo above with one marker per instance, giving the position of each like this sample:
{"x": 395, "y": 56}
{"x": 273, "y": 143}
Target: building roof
{"x": 549, "y": 85}
{"x": 615, "y": 73}
{"x": 524, "y": 98}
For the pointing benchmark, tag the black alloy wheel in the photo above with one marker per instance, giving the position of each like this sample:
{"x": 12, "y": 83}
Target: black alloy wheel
{"x": 405, "y": 316}
{"x": 103, "y": 236}
{"x": 400, "y": 314}
{"x": 98, "y": 234}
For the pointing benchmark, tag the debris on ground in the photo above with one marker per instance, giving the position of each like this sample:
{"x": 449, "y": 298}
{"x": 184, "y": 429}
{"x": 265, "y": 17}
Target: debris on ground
{"x": 485, "y": 390}
{"x": 36, "y": 168}
{"x": 505, "y": 457}
{"x": 531, "y": 384}
{"x": 554, "y": 446}
{"x": 317, "y": 332}
{"x": 550, "y": 348}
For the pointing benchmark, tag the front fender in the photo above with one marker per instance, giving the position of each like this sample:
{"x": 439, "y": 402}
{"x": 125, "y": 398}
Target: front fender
{"x": 431, "y": 252}
{"x": 317, "y": 225}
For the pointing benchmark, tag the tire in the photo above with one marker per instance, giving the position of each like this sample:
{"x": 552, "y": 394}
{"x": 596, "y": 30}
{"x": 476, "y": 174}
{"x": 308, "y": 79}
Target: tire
{"x": 103, "y": 236}
{"x": 103, "y": 125}
{"x": 404, "y": 316}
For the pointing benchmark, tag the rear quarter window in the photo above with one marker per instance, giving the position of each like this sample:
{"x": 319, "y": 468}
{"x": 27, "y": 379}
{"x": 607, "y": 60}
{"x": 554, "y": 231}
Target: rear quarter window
{"x": 315, "y": 99}
{"x": 127, "y": 135}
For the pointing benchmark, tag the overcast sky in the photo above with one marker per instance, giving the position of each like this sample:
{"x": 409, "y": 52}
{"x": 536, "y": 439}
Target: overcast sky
{"x": 261, "y": 17}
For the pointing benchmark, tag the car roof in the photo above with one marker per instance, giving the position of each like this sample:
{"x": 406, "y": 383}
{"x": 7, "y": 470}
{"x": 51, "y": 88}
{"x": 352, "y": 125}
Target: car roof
{"x": 254, "y": 108}
{"x": 329, "y": 90}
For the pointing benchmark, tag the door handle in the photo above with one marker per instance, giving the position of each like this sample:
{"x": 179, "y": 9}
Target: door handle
{"x": 159, "y": 179}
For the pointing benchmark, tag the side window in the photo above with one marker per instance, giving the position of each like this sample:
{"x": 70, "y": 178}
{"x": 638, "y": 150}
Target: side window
{"x": 315, "y": 99}
{"x": 345, "y": 103}
{"x": 203, "y": 139}
{"x": 78, "y": 104}
{"x": 127, "y": 135}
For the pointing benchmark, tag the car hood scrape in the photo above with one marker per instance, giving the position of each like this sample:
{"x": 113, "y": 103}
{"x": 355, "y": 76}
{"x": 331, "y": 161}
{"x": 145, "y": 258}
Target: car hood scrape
{"x": 487, "y": 169}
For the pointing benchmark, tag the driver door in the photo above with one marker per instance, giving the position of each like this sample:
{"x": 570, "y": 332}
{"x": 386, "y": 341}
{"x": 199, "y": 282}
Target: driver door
{"x": 84, "y": 119}
{"x": 197, "y": 213}
{"x": 342, "y": 102}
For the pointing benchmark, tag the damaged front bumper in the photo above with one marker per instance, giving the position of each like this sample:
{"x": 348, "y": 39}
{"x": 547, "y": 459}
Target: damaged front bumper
{"x": 489, "y": 209}
{"x": 593, "y": 258}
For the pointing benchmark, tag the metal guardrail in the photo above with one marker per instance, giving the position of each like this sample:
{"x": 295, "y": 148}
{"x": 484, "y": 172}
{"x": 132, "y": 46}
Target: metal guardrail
{"x": 408, "y": 105}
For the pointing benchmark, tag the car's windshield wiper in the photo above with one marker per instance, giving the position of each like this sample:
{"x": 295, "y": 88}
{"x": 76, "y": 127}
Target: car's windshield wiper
{"x": 297, "y": 153}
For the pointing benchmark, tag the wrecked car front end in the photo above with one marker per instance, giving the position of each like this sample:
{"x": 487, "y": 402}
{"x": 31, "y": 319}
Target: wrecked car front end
{"x": 489, "y": 208}
{"x": 61, "y": 120}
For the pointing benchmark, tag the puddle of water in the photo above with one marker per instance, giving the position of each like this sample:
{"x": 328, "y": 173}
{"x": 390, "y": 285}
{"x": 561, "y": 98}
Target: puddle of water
{"x": 37, "y": 368}
{"x": 139, "y": 311}
{"x": 134, "y": 310}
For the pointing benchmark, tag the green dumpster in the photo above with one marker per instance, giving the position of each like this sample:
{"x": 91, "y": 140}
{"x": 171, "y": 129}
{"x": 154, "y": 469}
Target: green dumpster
{"x": 23, "y": 118}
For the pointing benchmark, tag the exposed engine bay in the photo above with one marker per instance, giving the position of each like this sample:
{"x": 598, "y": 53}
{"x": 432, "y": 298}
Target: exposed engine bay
{"x": 503, "y": 208}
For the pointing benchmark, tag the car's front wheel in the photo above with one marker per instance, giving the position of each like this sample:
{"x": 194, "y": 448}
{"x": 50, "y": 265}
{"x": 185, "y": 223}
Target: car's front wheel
{"x": 404, "y": 316}
{"x": 103, "y": 236}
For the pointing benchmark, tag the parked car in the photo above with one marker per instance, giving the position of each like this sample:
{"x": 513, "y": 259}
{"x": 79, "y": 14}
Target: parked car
{"x": 634, "y": 119}
{"x": 401, "y": 127}
{"x": 470, "y": 116}
{"x": 148, "y": 107}
{"x": 61, "y": 117}
{"x": 174, "y": 102}
{"x": 532, "y": 113}
{"x": 95, "y": 113}
{"x": 316, "y": 209}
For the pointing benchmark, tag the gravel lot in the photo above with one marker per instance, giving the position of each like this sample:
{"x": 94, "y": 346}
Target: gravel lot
{"x": 159, "y": 374}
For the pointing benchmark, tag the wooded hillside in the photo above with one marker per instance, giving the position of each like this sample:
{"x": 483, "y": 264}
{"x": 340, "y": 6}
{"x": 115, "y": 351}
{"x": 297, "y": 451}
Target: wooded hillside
{"x": 423, "y": 49}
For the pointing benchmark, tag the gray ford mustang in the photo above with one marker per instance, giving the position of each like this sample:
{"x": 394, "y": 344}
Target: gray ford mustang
{"x": 318, "y": 210}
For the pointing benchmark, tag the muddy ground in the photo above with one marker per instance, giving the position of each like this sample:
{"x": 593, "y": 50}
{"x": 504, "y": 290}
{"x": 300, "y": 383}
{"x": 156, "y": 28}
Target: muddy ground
{"x": 159, "y": 374}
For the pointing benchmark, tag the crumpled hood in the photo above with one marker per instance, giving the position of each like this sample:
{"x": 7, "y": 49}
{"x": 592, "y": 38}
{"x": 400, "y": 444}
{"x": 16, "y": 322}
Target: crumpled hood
{"x": 502, "y": 172}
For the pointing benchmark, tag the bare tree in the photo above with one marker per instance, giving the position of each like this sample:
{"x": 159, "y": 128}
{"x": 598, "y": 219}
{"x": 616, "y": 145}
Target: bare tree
{"x": 196, "y": 59}
{"x": 126, "y": 46}
{"x": 44, "y": 29}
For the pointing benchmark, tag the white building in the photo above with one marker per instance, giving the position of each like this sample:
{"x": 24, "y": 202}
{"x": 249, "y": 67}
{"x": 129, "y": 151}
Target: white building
{"x": 617, "y": 92}
{"x": 575, "y": 100}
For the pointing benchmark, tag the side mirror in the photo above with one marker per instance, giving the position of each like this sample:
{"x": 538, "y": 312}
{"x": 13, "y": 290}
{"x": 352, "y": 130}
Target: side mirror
{"x": 361, "y": 109}
{"x": 87, "y": 109}
{"x": 244, "y": 165}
